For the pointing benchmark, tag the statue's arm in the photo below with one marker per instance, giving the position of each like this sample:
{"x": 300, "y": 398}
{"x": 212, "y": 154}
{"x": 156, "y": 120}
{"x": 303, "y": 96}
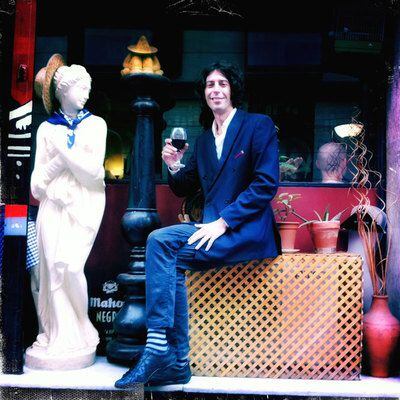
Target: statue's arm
{"x": 44, "y": 170}
{"x": 86, "y": 163}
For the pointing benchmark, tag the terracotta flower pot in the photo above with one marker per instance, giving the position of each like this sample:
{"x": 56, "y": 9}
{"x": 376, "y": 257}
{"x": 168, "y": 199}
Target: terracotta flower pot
{"x": 324, "y": 235}
{"x": 288, "y": 231}
{"x": 381, "y": 332}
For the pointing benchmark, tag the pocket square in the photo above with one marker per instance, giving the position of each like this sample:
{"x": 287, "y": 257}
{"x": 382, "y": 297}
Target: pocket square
{"x": 240, "y": 154}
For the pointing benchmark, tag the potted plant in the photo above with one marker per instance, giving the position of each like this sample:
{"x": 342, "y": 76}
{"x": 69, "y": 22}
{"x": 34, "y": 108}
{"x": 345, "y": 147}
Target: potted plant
{"x": 288, "y": 167}
{"x": 287, "y": 229}
{"x": 324, "y": 231}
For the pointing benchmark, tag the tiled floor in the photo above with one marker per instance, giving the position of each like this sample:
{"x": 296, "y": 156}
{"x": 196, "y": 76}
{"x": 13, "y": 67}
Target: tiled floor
{"x": 102, "y": 376}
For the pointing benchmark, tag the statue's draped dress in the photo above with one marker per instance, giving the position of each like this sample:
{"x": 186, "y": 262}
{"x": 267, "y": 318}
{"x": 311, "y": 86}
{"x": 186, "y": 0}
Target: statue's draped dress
{"x": 69, "y": 183}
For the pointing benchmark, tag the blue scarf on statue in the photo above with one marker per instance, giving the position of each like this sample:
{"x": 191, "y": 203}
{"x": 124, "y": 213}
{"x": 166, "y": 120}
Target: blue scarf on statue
{"x": 59, "y": 118}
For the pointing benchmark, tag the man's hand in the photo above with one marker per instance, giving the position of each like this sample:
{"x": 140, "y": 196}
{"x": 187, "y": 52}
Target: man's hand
{"x": 170, "y": 154}
{"x": 208, "y": 232}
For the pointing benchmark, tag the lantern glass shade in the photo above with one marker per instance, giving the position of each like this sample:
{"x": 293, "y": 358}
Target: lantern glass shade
{"x": 114, "y": 166}
{"x": 348, "y": 130}
{"x": 114, "y": 160}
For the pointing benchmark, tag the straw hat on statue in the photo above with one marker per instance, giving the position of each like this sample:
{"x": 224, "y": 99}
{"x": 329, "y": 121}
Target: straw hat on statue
{"x": 44, "y": 81}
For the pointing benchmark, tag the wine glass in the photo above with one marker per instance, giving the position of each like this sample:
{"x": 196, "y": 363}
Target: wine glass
{"x": 179, "y": 138}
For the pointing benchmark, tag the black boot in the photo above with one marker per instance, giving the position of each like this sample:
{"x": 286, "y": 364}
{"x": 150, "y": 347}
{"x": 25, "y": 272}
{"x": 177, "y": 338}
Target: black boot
{"x": 150, "y": 362}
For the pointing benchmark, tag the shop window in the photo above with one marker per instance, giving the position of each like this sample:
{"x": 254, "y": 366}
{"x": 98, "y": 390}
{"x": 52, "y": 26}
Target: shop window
{"x": 201, "y": 48}
{"x": 284, "y": 74}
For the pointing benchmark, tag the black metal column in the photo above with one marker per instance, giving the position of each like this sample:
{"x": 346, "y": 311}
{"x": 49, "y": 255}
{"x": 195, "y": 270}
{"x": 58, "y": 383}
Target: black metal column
{"x": 151, "y": 98}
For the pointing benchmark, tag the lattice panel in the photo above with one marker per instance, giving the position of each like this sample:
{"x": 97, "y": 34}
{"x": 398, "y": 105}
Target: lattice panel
{"x": 298, "y": 316}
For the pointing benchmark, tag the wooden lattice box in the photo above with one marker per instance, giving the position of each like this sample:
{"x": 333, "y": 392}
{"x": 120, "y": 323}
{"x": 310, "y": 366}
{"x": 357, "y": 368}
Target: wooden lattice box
{"x": 297, "y": 316}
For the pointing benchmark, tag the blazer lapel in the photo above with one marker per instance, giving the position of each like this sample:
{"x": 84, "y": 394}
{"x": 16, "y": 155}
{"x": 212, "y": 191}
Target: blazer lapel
{"x": 231, "y": 134}
{"x": 212, "y": 163}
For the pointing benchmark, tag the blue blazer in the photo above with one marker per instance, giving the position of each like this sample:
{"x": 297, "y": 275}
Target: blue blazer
{"x": 239, "y": 188}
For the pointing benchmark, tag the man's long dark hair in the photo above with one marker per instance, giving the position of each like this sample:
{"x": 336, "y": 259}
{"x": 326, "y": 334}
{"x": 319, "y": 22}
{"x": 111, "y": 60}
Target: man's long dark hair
{"x": 235, "y": 79}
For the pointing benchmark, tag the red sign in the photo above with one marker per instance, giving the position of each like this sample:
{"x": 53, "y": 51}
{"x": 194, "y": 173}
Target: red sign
{"x": 16, "y": 210}
{"x": 24, "y": 51}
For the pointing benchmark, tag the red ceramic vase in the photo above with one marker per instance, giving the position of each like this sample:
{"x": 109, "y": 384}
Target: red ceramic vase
{"x": 381, "y": 333}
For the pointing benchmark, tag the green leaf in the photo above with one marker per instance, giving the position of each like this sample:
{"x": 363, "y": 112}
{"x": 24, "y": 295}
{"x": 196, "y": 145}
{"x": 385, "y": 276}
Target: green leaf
{"x": 319, "y": 217}
{"x": 326, "y": 213}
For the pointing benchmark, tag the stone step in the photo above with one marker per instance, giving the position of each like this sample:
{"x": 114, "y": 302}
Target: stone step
{"x": 98, "y": 381}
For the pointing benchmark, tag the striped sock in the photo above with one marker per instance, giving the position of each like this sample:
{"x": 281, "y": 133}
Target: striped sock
{"x": 182, "y": 361}
{"x": 157, "y": 340}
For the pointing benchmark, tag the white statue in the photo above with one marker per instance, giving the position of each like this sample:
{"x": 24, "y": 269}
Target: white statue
{"x": 68, "y": 180}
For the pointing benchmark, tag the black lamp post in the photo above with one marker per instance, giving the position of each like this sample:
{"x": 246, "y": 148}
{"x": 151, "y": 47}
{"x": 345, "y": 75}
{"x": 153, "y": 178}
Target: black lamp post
{"x": 151, "y": 97}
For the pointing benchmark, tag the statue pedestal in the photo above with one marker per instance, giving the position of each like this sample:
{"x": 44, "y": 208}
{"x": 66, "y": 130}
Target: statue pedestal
{"x": 38, "y": 358}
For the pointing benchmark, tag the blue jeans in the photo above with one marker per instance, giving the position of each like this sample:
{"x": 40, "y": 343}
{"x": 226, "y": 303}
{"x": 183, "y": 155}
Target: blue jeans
{"x": 168, "y": 256}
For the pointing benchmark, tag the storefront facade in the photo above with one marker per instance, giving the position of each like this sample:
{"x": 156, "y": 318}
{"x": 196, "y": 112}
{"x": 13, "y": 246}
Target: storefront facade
{"x": 316, "y": 68}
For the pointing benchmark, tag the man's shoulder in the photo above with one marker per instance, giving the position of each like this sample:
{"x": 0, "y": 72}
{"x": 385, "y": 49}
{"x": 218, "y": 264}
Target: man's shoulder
{"x": 258, "y": 118}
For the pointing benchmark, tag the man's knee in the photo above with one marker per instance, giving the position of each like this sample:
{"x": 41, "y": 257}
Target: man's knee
{"x": 157, "y": 236}
{"x": 174, "y": 234}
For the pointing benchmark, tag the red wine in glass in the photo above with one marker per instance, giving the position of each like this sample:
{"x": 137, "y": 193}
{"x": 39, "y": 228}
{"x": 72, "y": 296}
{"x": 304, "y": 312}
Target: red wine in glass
{"x": 178, "y": 140}
{"x": 178, "y": 143}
